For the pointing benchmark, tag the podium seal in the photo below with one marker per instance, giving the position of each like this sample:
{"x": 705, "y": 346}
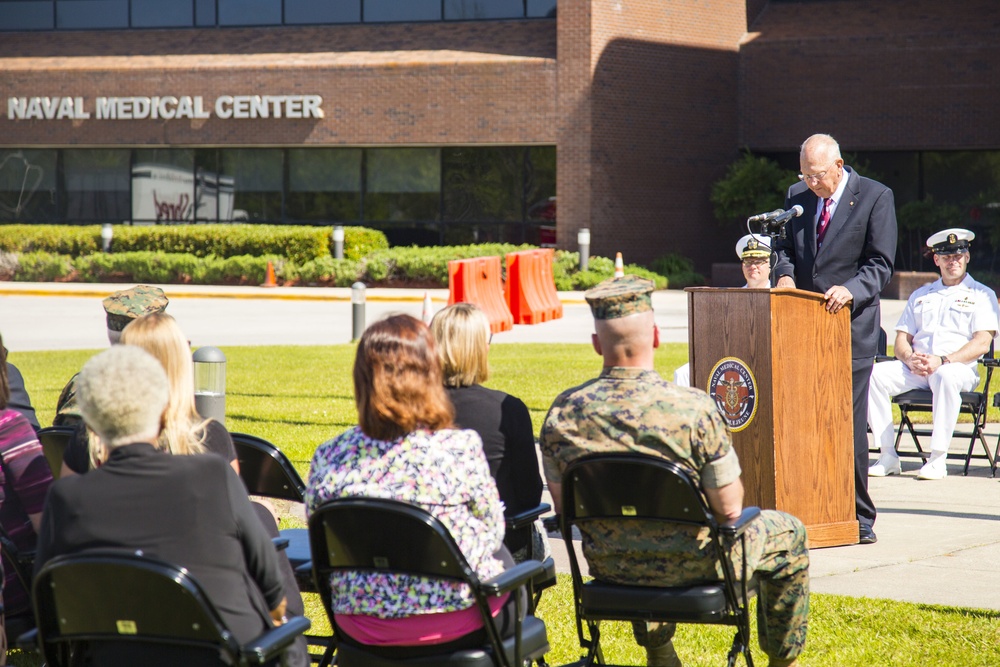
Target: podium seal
{"x": 734, "y": 388}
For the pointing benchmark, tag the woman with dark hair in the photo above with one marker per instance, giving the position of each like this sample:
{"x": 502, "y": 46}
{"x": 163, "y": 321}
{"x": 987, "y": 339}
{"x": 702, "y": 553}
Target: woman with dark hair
{"x": 24, "y": 480}
{"x": 462, "y": 334}
{"x": 405, "y": 448}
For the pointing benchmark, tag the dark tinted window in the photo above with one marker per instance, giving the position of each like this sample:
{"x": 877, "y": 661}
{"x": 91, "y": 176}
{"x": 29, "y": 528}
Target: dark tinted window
{"x": 483, "y": 184}
{"x": 97, "y": 185}
{"x": 28, "y": 185}
{"x": 402, "y": 184}
{"x": 322, "y": 11}
{"x": 249, "y": 12}
{"x": 92, "y": 14}
{"x": 160, "y": 14}
{"x": 256, "y": 180}
{"x": 542, "y": 8}
{"x": 483, "y": 9}
{"x": 324, "y": 184}
{"x": 163, "y": 185}
{"x": 540, "y": 184}
{"x": 27, "y": 15}
{"x": 204, "y": 12}
{"x": 402, "y": 10}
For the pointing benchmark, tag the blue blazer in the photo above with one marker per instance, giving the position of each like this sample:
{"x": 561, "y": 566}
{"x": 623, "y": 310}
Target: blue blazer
{"x": 858, "y": 251}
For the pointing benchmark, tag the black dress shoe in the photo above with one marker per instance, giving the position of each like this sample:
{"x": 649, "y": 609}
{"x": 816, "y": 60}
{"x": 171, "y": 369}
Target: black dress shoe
{"x": 866, "y": 535}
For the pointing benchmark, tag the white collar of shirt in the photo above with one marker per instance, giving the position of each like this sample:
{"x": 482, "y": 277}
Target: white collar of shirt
{"x": 966, "y": 284}
{"x": 835, "y": 197}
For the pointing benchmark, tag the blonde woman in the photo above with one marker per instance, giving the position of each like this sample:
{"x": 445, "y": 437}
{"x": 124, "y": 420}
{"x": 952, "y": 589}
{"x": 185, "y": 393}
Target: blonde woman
{"x": 184, "y": 430}
{"x": 462, "y": 333}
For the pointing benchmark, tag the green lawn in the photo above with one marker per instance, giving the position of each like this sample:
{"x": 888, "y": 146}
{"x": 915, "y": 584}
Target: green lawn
{"x": 298, "y": 397}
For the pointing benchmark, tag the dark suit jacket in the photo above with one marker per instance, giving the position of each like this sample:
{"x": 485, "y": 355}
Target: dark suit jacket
{"x": 858, "y": 251}
{"x": 191, "y": 511}
{"x": 19, "y": 396}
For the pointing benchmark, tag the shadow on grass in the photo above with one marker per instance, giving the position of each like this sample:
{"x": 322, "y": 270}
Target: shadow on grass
{"x": 284, "y": 420}
{"x": 333, "y": 397}
{"x": 954, "y": 515}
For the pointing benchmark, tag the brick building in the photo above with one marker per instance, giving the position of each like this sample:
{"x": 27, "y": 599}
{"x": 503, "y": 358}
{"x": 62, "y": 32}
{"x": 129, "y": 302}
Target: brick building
{"x": 451, "y": 121}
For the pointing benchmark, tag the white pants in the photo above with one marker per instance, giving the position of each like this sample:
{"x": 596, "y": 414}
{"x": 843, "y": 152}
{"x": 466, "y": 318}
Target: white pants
{"x": 682, "y": 376}
{"x": 891, "y": 378}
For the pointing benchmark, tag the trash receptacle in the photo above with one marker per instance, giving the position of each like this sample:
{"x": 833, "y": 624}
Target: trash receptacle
{"x": 210, "y": 383}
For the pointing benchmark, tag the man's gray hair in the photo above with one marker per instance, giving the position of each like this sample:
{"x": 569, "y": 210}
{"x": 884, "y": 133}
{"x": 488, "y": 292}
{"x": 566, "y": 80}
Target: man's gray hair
{"x": 122, "y": 393}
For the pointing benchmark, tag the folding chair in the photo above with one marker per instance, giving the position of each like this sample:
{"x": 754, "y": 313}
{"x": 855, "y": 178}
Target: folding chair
{"x": 378, "y": 535}
{"x": 122, "y": 608}
{"x": 630, "y": 488}
{"x": 973, "y": 403}
{"x": 21, "y": 563}
{"x": 267, "y": 472}
{"x": 55, "y": 440}
{"x": 526, "y": 521}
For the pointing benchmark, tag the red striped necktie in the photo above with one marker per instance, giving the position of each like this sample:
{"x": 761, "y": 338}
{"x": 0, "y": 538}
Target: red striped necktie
{"x": 824, "y": 222}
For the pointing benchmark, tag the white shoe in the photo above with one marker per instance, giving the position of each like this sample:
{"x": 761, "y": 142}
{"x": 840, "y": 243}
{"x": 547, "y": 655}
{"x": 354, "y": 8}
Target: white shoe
{"x": 885, "y": 466}
{"x": 936, "y": 470}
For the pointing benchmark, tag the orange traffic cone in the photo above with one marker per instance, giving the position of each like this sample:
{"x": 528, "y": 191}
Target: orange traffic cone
{"x": 619, "y": 266}
{"x": 269, "y": 280}
{"x": 428, "y": 313}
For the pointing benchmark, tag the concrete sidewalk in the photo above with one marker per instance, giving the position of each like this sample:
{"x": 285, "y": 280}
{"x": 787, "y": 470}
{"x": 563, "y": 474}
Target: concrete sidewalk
{"x": 939, "y": 542}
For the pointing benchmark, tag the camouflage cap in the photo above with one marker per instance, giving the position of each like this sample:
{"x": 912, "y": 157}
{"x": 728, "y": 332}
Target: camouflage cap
{"x": 126, "y": 305}
{"x": 620, "y": 297}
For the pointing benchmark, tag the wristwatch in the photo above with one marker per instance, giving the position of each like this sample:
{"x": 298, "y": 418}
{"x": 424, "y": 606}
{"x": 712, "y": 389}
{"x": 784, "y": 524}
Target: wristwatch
{"x": 944, "y": 359}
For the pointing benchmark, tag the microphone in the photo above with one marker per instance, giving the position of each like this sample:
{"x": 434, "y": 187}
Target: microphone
{"x": 764, "y": 217}
{"x": 785, "y": 216}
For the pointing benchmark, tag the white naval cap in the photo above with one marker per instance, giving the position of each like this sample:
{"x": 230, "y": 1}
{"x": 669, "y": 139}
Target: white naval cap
{"x": 752, "y": 245}
{"x": 950, "y": 240}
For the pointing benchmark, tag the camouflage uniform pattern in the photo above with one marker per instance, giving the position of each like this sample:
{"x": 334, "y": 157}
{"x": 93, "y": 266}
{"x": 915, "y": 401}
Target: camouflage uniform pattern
{"x": 630, "y": 409}
{"x": 121, "y": 307}
{"x": 620, "y": 297}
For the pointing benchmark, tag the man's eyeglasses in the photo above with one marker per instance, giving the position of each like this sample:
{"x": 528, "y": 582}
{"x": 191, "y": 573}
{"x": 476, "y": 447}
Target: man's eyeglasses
{"x": 755, "y": 262}
{"x": 815, "y": 177}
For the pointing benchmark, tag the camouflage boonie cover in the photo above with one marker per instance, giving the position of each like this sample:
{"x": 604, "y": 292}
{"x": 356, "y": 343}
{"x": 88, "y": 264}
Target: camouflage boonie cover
{"x": 620, "y": 297}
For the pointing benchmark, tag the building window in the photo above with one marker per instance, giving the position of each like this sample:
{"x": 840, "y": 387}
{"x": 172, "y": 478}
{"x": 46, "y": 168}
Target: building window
{"x": 483, "y": 9}
{"x": 249, "y": 12}
{"x": 27, "y": 15}
{"x": 88, "y": 14}
{"x": 410, "y": 10}
{"x": 402, "y": 184}
{"x": 97, "y": 185}
{"x": 159, "y": 14}
{"x": 255, "y": 175}
{"x": 28, "y": 186}
{"x": 324, "y": 184}
{"x": 322, "y": 11}
{"x": 163, "y": 185}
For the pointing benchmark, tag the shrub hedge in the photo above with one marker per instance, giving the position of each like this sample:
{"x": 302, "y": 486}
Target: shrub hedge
{"x": 238, "y": 255}
{"x": 299, "y": 244}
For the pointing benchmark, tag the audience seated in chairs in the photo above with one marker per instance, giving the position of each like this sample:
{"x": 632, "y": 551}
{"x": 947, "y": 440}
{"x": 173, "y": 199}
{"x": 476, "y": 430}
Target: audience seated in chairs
{"x": 184, "y": 430}
{"x": 631, "y": 408}
{"x": 24, "y": 480}
{"x": 405, "y": 448}
{"x": 462, "y": 335}
{"x": 191, "y": 511}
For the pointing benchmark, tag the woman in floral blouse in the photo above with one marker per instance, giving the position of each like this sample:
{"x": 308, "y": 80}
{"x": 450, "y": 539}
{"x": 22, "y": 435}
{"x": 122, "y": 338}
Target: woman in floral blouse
{"x": 406, "y": 448}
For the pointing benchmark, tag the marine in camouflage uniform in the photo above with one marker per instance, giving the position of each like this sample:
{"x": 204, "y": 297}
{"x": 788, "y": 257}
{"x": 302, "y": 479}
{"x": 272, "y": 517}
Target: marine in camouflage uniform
{"x": 121, "y": 307}
{"x": 634, "y": 409}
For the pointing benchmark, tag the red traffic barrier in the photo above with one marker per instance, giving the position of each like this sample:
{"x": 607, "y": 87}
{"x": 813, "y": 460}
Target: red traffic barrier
{"x": 477, "y": 281}
{"x": 530, "y": 289}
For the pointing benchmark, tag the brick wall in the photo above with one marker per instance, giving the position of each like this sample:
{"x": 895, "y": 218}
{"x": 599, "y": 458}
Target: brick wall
{"x": 890, "y": 75}
{"x": 475, "y": 82}
{"x": 650, "y": 120}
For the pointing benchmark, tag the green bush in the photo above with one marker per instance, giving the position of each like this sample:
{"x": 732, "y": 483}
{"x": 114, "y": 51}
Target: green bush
{"x": 43, "y": 267}
{"x": 330, "y": 271}
{"x": 568, "y": 278}
{"x": 751, "y": 185}
{"x": 300, "y": 244}
{"x": 678, "y": 269}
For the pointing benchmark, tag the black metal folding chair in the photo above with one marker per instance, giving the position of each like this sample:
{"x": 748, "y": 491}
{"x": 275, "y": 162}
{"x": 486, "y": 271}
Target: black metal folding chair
{"x": 525, "y": 521}
{"x": 631, "y": 488}
{"x": 113, "y": 608}
{"x": 974, "y": 403}
{"x": 55, "y": 440}
{"x": 410, "y": 540}
{"x": 267, "y": 472}
{"x": 21, "y": 563}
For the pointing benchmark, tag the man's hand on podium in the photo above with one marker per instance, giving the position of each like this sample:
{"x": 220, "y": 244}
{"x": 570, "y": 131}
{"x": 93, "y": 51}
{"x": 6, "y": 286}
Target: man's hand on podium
{"x": 837, "y": 297}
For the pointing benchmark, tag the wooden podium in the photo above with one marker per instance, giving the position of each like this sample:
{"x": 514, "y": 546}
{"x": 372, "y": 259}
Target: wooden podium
{"x": 779, "y": 367}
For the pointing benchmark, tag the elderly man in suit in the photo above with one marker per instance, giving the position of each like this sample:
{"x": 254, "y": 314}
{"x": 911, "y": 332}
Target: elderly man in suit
{"x": 843, "y": 246}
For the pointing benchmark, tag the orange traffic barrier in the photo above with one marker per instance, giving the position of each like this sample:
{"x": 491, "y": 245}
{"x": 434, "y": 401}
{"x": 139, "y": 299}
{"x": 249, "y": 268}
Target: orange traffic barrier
{"x": 477, "y": 281}
{"x": 269, "y": 280}
{"x": 530, "y": 288}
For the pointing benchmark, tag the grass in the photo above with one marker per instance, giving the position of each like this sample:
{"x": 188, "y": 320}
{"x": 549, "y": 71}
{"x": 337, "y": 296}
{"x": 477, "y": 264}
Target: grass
{"x": 298, "y": 397}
